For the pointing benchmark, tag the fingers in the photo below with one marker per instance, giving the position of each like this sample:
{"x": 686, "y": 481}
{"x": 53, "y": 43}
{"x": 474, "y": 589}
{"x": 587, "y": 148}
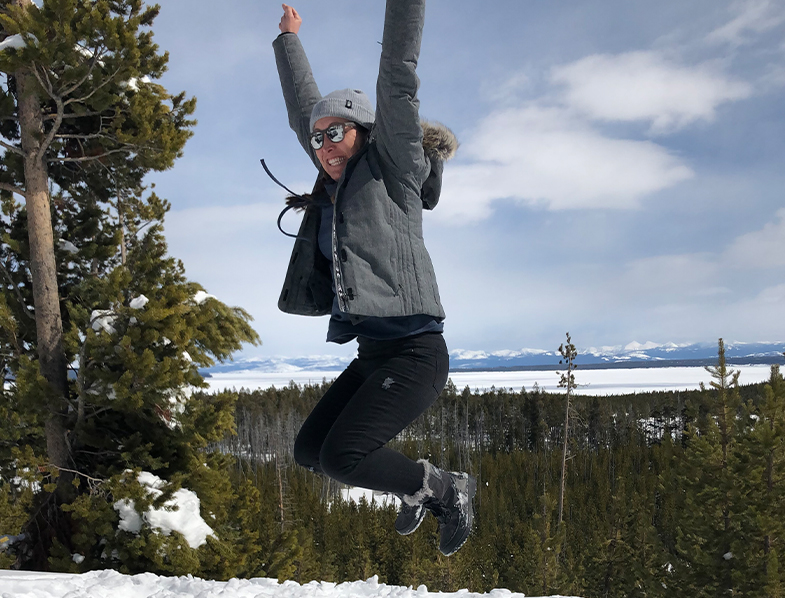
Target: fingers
{"x": 290, "y": 21}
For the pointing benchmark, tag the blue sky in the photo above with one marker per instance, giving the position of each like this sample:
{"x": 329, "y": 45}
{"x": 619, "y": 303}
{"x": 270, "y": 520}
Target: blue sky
{"x": 621, "y": 174}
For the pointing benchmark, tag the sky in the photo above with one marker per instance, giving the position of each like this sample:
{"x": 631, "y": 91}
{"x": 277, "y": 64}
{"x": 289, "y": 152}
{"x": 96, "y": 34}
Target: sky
{"x": 620, "y": 175}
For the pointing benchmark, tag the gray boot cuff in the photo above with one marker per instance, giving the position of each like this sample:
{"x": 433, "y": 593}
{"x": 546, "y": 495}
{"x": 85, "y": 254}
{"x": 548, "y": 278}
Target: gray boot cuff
{"x": 426, "y": 491}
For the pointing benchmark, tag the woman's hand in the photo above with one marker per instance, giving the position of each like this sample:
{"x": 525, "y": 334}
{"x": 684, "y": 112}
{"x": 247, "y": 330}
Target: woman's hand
{"x": 290, "y": 21}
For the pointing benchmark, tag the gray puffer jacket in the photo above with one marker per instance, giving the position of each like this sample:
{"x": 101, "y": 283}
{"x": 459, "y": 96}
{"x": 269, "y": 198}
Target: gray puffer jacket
{"x": 380, "y": 264}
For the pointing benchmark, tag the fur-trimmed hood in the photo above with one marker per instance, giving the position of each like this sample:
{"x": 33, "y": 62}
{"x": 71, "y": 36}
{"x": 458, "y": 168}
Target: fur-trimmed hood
{"x": 438, "y": 141}
{"x": 440, "y": 145}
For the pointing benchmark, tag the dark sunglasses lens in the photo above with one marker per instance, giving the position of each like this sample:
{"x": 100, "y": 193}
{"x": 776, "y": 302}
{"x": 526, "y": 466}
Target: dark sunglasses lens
{"x": 317, "y": 140}
{"x": 335, "y": 133}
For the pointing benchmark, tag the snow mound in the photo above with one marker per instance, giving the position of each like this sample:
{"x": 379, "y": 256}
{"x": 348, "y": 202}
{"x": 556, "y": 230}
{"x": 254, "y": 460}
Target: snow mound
{"x": 186, "y": 519}
{"x": 100, "y": 584}
{"x": 139, "y": 302}
{"x": 13, "y": 41}
{"x": 200, "y": 297}
{"x": 103, "y": 319}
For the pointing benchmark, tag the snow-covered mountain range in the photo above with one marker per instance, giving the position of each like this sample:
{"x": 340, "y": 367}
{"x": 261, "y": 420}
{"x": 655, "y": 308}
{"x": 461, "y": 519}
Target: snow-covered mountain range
{"x": 633, "y": 354}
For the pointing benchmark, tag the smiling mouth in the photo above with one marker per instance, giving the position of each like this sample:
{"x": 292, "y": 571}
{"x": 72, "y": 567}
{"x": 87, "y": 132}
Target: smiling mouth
{"x": 336, "y": 161}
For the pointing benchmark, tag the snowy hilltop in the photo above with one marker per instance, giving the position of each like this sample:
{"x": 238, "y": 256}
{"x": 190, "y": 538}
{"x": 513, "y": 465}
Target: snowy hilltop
{"x": 100, "y": 584}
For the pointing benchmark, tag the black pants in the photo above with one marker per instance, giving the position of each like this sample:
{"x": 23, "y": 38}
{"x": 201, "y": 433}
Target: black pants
{"x": 381, "y": 392}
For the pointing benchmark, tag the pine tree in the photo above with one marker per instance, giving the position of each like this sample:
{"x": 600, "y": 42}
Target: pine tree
{"x": 708, "y": 516}
{"x": 566, "y": 381}
{"x": 759, "y": 472}
{"x": 82, "y": 122}
{"x": 73, "y": 98}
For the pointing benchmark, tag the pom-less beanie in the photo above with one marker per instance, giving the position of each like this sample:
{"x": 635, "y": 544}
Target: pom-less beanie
{"x": 351, "y": 104}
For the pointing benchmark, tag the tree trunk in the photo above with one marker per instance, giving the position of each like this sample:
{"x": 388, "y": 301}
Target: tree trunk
{"x": 49, "y": 326}
{"x": 564, "y": 456}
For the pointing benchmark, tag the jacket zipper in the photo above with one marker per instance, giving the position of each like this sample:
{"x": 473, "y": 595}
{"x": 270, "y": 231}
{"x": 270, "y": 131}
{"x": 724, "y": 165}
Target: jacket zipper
{"x": 339, "y": 290}
{"x": 343, "y": 304}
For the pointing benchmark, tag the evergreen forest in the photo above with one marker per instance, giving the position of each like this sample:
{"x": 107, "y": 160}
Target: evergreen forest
{"x": 666, "y": 493}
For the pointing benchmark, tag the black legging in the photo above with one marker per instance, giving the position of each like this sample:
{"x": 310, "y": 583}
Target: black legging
{"x": 381, "y": 392}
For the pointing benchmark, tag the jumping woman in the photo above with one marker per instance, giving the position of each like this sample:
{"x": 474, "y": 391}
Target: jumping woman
{"x": 359, "y": 256}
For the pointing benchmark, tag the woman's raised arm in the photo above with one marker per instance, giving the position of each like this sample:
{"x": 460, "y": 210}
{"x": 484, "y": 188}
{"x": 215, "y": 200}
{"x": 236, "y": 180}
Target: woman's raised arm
{"x": 398, "y": 131}
{"x": 300, "y": 91}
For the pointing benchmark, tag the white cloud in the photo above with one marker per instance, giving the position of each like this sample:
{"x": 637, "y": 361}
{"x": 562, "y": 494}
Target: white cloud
{"x": 644, "y": 86}
{"x": 669, "y": 276}
{"x": 754, "y": 17}
{"x": 507, "y": 91}
{"x": 547, "y": 156}
{"x": 764, "y": 248}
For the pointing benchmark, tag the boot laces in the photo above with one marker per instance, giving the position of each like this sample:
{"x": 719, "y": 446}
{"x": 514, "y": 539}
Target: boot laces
{"x": 440, "y": 511}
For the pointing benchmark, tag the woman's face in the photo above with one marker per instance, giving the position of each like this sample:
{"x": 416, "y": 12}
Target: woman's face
{"x": 334, "y": 156}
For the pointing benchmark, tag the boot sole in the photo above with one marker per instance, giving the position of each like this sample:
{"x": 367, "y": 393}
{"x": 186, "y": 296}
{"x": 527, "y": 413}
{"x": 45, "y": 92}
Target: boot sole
{"x": 468, "y": 485}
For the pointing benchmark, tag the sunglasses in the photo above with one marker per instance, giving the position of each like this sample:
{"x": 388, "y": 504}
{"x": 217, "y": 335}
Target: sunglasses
{"x": 335, "y": 133}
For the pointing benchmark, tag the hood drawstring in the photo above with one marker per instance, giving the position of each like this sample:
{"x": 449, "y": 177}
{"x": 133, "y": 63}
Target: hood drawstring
{"x": 297, "y": 204}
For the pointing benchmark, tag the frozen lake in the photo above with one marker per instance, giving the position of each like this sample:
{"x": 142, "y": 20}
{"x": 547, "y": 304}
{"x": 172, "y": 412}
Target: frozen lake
{"x": 591, "y": 382}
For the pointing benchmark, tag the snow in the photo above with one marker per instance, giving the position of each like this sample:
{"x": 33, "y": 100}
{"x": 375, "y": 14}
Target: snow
{"x": 381, "y": 499}
{"x": 200, "y": 297}
{"x": 103, "y": 319}
{"x": 133, "y": 83}
{"x": 105, "y": 584}
{"x": 13, "y": 41}
{"x": 139, "y": 302}
{"x": 466, "y": 354}
{"x": 594, "y": 382}
{"x": 67, "y": 246}
{"x": 22, "y": 482}
{"x": 636, "y": 346}
{"x": 186, "y": 519}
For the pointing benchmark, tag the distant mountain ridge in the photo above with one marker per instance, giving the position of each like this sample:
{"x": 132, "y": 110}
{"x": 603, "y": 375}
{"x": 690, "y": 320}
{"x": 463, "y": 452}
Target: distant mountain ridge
{"x": 633, "y": 354}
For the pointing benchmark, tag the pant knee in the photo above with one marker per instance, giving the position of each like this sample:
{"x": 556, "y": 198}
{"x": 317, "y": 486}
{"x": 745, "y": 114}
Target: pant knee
{"x": 338, "y": 463}
{"x": 306, "y": 455}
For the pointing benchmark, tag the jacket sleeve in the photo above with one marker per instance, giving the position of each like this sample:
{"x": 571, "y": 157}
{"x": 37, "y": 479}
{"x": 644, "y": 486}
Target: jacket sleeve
{"x": 397, "y": 131}
{"x": 300, "y": 91}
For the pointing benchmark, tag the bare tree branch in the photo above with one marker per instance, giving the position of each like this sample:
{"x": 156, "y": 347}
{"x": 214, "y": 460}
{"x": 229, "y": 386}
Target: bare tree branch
{"x": 94, "y": 484}
{"x": 73, "y": 115}
{"x": 13, "y": 189}
{"x": 53, "y": 131}
{"x": 78, "y": 84}
{"x": 93, "y": 158}
{"x": 85, "y": 136}
{"x": 12, "y": 148}
{"x": 21, "y": 299}
{"x": 46, "y": 85}
{"x": 58, "y": 120}
{"x": 96, "y": 89}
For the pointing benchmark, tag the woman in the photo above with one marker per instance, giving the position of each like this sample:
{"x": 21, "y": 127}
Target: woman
{"x": 360, "y": 257}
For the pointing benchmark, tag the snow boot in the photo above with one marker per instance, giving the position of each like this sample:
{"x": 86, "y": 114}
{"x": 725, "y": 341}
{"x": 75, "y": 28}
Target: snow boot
{"x": 448, "y": 495}
{"x": 410, "y": 516}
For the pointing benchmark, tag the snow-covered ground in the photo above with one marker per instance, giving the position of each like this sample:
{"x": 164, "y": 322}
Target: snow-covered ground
{"x": 110, "y": 584}
{"x": 591, "y": 382}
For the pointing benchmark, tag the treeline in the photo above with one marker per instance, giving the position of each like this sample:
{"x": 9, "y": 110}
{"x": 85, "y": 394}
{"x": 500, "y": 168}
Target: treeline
{"x": 667, "y": 493}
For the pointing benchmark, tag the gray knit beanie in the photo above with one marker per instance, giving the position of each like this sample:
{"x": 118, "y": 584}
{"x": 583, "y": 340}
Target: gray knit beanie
{"x": 351, "y": 104}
